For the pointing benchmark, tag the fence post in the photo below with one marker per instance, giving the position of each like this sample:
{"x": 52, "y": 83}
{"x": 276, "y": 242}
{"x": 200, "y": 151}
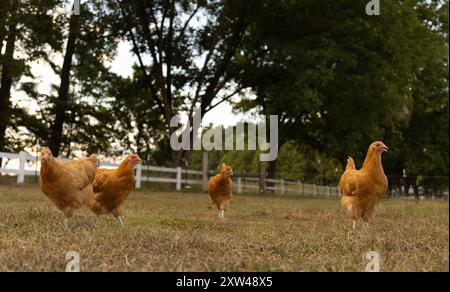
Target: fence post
{"x": 299, "y": 191}
{"x": 138, "y": 176}
{"x": 315, "y": 190}
{"x": 283, "y": 190}
{"x": 328, "y": 191}
{"x": 178, "y": 186}
{"x": 239, "y": 185}
{"x": 21, "y": 175}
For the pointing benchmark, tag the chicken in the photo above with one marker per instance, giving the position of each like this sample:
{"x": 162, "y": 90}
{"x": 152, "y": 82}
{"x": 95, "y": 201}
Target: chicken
{"x": 67, "y": 184}
{"x": 112, "y": 187}
{"x": 220, "y": 189}
{"x": 362, "y": 189}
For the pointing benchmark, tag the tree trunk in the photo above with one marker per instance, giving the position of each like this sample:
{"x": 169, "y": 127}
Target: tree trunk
{"x": 205, "y": 171}
{"x": 2, "y": 32}
{"x": 1, "y": 49}
{"x": 6, "y": 80}
{"x": 415, "y": 186}
{"x": 272, "y": 165}
{"x": 5, "y": 85}
{"x": 61, "y": 105}
{"x": 262, "y": 177}
{"x": 271, "y": 172}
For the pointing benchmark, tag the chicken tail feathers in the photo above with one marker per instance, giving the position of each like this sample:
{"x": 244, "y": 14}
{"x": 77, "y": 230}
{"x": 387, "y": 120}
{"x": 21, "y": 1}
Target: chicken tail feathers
{"x": 350, "y": 164}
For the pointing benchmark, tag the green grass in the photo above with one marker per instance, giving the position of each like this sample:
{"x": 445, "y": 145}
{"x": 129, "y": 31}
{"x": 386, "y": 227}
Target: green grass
{"x": 167, "y": 231}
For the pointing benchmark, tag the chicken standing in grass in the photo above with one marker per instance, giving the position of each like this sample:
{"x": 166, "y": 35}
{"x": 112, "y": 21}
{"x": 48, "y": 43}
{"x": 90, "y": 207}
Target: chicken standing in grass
{"x": 112, "y": 187}
{"x": 362, "y": 189}
{"x": 220, "y": 189}
{"x": 67, "y": 184}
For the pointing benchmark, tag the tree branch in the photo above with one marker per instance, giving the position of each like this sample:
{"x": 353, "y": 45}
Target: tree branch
{"x": 236, "y": 38}
{"x": 147, "y": 78}
{"x": 168, "y": 113}
{"x": 213, "y": 43}
{"x": 226, "y": 98}
{"x": 169, "y": 52}
{"x": 143, "y": 19}
{"x": 186, "y": 24}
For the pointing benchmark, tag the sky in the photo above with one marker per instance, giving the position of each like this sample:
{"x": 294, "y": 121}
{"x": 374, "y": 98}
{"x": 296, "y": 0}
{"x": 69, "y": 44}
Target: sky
{"x": 221, "y": 115}
{"x": 122, "y": 65}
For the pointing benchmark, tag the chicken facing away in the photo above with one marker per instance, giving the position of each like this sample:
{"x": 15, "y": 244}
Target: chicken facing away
{"x": 362, "y": 189}
{"x": 67, "y": 184}
{"x": 112, "y": 187}
{"x": 220, "y": 189}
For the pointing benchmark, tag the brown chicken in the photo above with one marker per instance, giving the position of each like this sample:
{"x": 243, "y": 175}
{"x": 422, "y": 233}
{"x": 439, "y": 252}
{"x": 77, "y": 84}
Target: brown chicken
{"x": 362, "y": 189}
{"x": 220, "y": 189}
{"x": 67, "y": 184}
{"x": 112, "y": 187}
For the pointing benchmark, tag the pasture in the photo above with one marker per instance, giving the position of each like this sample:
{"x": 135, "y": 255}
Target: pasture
{"x": 168, "y": 231}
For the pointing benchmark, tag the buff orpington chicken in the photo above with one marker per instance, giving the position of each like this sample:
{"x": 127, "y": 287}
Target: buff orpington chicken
{"x": 362, "y": 189}
{"x": 112, "y": 187}
{"x": 220, "y": 189}
{"x": 68, "y": 184}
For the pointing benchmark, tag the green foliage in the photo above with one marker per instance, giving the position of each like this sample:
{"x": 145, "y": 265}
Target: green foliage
{"x": 88, "y": 124}
{"x": 26, "y": 29}
{"x": 294, "y": 163}
{"x": 133, "y": 109}
{"x": 337, "y": 78}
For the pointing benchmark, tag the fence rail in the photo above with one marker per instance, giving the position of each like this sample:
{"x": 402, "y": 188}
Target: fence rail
{"x": 177, "y": 177}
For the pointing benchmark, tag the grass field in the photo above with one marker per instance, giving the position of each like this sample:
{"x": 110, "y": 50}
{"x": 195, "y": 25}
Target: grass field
{"x": 178, "y": 232}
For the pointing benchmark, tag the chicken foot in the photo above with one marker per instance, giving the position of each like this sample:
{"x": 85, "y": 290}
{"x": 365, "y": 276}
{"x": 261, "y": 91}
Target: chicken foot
{"x": 120, "y": 220}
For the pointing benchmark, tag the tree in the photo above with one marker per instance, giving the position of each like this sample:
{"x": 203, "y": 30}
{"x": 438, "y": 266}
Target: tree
{"x": 422, "y": 147}
{"x": 337, "y": 78}
{"x": 61, "y": 104}
{"x": 193, "y": 63}
{"x": 137, "y": 120}
{"x": 6, "y": 78}
{"x": 75, "y": 114}
{"x": 26, "y": 28}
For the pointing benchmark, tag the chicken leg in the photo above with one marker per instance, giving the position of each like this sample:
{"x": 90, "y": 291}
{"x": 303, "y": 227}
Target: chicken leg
{"x": 66, "y": 223}
{"x": 118, "y": 212}
{"x": 68, "y": 213}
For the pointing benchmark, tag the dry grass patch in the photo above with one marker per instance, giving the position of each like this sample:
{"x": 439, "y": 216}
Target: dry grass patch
{"x": 178, "y": 232}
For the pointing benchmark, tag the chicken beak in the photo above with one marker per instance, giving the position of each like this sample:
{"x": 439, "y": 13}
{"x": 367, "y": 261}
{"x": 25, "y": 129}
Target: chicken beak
{"x": 385, "y": 148}
{"x": 44, "y": 157}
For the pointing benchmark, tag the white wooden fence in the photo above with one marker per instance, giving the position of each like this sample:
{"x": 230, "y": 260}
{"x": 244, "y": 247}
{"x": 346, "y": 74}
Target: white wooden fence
{"x": 179, "y": 177}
